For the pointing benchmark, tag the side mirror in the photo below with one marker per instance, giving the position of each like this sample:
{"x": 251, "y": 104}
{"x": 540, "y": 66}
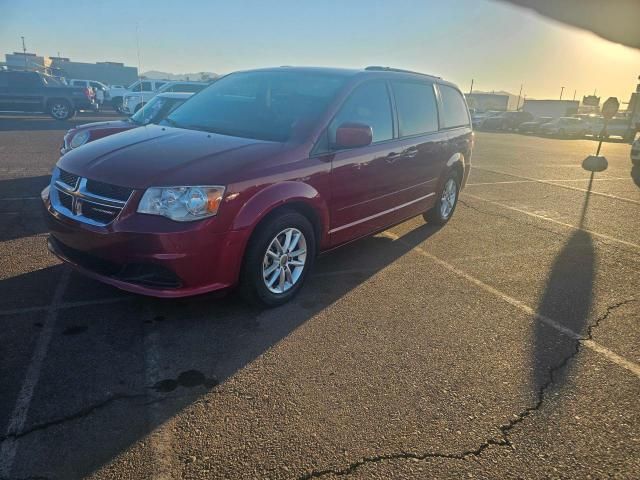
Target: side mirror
{"x": 352, "y": 135}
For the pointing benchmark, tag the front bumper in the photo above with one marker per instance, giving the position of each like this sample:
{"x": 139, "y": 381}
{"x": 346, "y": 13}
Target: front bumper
{"x": 149, "y": 261}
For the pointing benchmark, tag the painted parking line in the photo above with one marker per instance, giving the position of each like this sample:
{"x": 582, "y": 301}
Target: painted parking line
{"x": 23, "y": 401}
{"x": 568, "y": 187}
{"x": 552, "y": 220}
{"x": 507, "y": 182}
{"x": 63, "y": 305}
{"x": 591, "y": 344}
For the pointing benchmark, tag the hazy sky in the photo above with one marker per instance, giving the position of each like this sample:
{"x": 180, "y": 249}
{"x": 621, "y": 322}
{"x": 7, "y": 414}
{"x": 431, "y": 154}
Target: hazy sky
{"x": 498, "y": 45}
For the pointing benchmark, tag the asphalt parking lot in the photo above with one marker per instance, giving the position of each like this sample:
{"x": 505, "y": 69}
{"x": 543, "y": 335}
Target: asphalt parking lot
{"x": 504, "y": 345}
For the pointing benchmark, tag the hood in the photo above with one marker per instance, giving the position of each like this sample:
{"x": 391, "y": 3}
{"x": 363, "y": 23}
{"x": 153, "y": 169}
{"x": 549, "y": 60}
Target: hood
{"x": 108, "y": 124}
{"x": 155, "y": 156}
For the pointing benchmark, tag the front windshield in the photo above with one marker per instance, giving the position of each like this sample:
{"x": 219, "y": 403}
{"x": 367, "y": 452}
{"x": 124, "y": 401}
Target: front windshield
{"x": 156, "y": 110}
{"x": 265, "y": 105}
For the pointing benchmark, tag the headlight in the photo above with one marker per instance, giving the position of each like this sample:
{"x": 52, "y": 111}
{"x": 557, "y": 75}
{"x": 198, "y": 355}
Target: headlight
{"x": 79, "y": 139}
{"x": 182, "y": 204}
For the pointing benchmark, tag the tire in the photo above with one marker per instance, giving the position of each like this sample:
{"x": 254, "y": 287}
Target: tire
{"x": 60, "y": 109}
{"x": 116, "y": 103}
{"x": 440, "y": 214}
{"x": 259, "y": 267}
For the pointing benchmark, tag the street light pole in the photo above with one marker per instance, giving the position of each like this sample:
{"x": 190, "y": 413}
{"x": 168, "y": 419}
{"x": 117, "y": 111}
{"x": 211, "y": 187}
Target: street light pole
{"x": 471, "y": 89}
{"x": 24, "y": 53}
{"x": 519, "y": 94}
{"x": 561, "y": 90}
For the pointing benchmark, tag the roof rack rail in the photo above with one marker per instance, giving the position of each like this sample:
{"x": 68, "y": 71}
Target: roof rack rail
{"x": 378, "y": 68}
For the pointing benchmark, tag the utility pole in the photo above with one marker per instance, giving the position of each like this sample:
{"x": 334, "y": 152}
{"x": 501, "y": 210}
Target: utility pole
{"x": 471, "y": 89}
{"x": 519, "y": 94}
{"x": 24, "y": 53}
{"x": 561, "y": 90}
{"x": 574, "y": 94}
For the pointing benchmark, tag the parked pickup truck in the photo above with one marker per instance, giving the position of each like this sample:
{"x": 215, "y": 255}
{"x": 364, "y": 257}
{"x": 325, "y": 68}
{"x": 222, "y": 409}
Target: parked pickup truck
{"x": 134, "y": 101}
{"x": 117, "y": 93}
{"x": 34, "y": 92}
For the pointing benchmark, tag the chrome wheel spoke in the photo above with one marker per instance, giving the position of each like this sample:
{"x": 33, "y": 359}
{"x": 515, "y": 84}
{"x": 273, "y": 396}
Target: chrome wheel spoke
{"x": 274, "y": 266}
{"x": 273, "y": 278}
{"x": 283, "y": 279}
{"x": 297, "y": 253}
{"x": 296, "y": 263}
{"x": 294, "y": 242}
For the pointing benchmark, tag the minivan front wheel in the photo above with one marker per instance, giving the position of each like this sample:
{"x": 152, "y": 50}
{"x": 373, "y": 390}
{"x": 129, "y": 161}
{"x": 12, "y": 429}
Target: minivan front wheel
{"x": 443, "y": 210}
{"x": 278, "y": 259}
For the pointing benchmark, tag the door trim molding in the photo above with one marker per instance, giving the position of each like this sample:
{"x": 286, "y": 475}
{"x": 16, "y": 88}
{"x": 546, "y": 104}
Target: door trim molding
{"x": 379, "y": 214}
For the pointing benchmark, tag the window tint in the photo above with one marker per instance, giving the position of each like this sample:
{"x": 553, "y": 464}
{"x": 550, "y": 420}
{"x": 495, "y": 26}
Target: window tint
{"x": 416, "y": 105}
{"x": 146, "y": 86}
{"x": 78, "y": 83}
{"x": 159, "y": 84}
{"x": 24, "y": 80}
{"x": 368, "y": 104}
{"x": 454, "y": 111}
{"x": 266, "y": 105}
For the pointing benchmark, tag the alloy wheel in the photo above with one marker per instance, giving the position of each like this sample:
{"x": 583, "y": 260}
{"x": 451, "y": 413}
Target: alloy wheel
{"x": 284, "y": 261}
{"x": 448, "y": 198}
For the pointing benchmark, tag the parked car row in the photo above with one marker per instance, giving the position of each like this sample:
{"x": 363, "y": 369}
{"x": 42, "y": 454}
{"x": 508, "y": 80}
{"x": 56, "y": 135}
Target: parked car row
{"x": 247, "y": 180}
{"x": 563, "y": 127}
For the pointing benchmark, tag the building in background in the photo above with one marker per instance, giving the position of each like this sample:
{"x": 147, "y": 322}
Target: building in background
{"x": 110, "y": 73}
{"x": 106, "y": 72}
{"x": 551, "y": 108}
{"x": 26, "y": 61}
{"x": 483, "y": 102}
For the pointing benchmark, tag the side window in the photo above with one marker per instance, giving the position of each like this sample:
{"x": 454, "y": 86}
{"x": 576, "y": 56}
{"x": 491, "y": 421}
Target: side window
{"x": 416, "y": 105}
{"x": 368, "y": 104}
{"x": 145, "y": 87}
{"x": 192, "y": 88}
{"x": 159, "y": 84}
{"x": 454, "y": 111}
{"x": 78, "y": 83}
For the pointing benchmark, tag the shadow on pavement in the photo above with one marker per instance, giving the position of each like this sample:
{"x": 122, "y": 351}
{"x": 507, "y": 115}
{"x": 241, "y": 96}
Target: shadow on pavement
{"x": 20, "y": 208}
{"x": 567, "y": 299}
{"x": 99, "y": 357}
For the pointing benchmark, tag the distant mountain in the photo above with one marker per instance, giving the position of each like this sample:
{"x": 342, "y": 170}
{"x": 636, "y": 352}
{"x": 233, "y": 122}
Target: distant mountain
{"x": 156, "y": 75}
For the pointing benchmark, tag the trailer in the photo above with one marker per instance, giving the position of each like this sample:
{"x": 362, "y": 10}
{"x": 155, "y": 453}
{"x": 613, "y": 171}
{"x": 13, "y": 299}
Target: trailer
{"x": 551, "y": 108}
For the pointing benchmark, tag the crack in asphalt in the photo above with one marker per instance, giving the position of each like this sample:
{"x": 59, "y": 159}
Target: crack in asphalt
{"x": 507, "y": 217}
{"x": 504, "y": 429}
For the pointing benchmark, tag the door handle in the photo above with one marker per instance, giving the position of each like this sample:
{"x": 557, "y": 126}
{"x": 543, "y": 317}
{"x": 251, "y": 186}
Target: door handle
{"x": 410, "y": 152}
{"x": 393, "y": 156}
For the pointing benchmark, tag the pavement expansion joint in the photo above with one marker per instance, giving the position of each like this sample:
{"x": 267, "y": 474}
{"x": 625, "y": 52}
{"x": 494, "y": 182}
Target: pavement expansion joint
{"x": 504, "y": 429}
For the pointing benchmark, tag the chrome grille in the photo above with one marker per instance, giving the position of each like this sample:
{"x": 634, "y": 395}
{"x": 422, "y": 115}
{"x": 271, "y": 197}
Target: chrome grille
{"x": 68, "y": 178}
{"x": 108, "y": 190}
{"x": 85, "y": 200}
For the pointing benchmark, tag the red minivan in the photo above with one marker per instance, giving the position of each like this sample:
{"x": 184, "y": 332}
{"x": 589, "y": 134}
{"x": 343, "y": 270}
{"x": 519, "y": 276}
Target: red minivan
{"x": 248, "y": 180}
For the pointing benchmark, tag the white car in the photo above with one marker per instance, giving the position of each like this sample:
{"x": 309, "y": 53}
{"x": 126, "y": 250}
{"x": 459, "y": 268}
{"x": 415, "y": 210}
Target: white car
{"x": 564, "y": 127}
{"x": 100, "y": 89}
{"x": 132, "y": 102}
{"x": 117, "y": 93}
{"x": 635, "y": 152}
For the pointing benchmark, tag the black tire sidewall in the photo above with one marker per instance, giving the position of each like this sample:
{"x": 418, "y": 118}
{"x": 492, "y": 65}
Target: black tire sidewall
{"x": 251, "y": 283}
{"x": 61, "y": 102}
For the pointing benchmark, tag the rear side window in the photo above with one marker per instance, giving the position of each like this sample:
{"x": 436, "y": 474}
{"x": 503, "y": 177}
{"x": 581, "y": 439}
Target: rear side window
{"x": 416, "y": 105}
{"x": 454, "y": 110}
{"x": 78, "y": 83}
{"x": 368, "y": 104}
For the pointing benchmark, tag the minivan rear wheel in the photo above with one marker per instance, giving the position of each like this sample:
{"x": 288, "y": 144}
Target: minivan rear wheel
{"x": 278, "y": 259}
{"x": 443, "y": 210}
